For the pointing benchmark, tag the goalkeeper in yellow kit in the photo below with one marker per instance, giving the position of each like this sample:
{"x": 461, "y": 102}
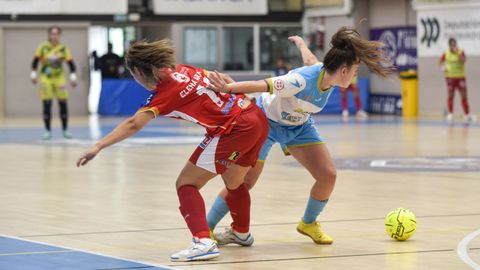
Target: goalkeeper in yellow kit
{"x": 50, "y": 55}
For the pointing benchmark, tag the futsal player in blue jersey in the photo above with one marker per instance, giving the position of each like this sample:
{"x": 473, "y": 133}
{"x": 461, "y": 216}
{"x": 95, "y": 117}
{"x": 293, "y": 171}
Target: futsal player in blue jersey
{"x": 289, "y": 102}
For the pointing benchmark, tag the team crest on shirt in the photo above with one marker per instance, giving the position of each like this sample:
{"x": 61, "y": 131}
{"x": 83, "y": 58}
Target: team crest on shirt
{"x": 278, "y": 84}
{"x": 234, "y": 156}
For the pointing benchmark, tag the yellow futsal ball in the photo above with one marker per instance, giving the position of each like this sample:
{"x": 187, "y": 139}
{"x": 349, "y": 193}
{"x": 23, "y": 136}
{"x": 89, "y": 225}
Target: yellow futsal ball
{"x": 400, "y": 224}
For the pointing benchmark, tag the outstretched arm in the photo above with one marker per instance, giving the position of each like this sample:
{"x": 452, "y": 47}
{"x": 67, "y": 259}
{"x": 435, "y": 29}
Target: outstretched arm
{"x": 126, "y": 129}
{"x": 282, "y": 86}
{"x": 221, "y": 84}
{"x": 308, "y": 57}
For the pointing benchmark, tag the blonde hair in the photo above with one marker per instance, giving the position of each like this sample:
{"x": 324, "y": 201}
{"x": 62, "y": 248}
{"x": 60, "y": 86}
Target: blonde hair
{"x": 348, "y": 47}
{"x": 150, "y": 57}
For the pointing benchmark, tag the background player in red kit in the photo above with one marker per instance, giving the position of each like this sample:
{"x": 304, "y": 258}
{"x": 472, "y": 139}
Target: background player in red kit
{"x": 453, "y": 65}
{"x": 236, "y": 130}
{"x": 353, "y": 87}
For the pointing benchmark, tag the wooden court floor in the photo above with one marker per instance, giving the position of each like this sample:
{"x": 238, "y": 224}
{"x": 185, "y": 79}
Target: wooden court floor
{"x": 124, "y": 203}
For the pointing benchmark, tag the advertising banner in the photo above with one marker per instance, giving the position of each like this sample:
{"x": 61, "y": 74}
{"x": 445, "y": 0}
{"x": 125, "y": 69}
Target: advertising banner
{"x": 401, "y": 45}
{"x": 435, "y": 27}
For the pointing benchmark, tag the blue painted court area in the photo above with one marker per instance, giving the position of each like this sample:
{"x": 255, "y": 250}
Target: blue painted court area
{"x": 18, "y": 254}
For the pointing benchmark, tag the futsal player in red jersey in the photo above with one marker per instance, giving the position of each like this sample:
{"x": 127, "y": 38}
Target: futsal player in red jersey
{"x": 236, "y": 130}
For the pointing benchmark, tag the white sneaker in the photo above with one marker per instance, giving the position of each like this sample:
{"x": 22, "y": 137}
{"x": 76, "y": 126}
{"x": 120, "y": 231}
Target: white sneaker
{"x": 200, "y": 250}
{"x": 47, "y": 135}
{"x": 345, "y": 114}
{"x": 361, "y": 114}
{"x": 230, "y": 236}
{"x": 468, "y": 118}
{"x": 449, "y": 118}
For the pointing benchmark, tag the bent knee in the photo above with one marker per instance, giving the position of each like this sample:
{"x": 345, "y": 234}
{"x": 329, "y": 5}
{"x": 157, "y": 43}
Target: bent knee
{"x": 328, "y": 174}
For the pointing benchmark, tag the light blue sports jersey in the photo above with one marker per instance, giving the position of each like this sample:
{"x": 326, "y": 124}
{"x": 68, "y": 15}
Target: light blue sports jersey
{"x": 295, "y": 96}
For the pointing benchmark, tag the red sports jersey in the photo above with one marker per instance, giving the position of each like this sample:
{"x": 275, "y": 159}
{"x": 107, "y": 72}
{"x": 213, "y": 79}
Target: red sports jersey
{"x": 183, "y": 95}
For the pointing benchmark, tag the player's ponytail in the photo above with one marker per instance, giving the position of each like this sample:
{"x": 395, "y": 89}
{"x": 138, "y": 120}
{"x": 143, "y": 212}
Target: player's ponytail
{"x": 150, "y": 57}
{"x": 349, "y": 48}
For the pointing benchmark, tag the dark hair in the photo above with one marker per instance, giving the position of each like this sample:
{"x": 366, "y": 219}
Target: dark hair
{"x": 450, "y": 40}
{"x": 51, "y": 28}
{"x": 148, "y": 57}
{"x": 349, "y": 48}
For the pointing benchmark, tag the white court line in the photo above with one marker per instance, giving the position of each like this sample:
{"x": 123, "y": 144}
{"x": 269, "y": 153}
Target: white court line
{"x": 462, "y": 250}
{"x": 89, "y": 252}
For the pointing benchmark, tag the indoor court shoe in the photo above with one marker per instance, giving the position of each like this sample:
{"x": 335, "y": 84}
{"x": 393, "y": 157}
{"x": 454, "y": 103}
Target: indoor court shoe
{"x": 345, "y": 115}
{"x": 200, "y": 250}
{"x": 362, "y": 115}
{"x": 468, "y": 118}
{"x": 229, "y": 237}
{"x": 212, "y": 236}
{"x": 449, "y": 118}
{"x": 67, "y": 134}
{"x": 47, "y": 135}
{"x": 314, "y": 231}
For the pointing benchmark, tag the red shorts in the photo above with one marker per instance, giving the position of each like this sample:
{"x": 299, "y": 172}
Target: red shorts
{"x": 241, "y": 146}
{"x": 456, "y": 83}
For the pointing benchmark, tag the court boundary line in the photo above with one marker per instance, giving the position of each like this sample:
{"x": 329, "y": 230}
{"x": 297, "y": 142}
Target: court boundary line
{"x": 89, "y": 252}
{"x": 320, "y": 257}
{"x": 462, "y": 249}
{"x": 252, "y": 225}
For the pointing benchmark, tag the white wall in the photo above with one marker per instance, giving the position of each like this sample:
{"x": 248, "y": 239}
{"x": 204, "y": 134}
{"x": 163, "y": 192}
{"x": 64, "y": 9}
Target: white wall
{"x": 385, "y": 13}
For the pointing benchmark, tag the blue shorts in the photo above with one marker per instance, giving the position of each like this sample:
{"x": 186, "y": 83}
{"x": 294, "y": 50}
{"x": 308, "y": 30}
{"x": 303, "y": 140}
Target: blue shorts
{"x": 290, "y": 136}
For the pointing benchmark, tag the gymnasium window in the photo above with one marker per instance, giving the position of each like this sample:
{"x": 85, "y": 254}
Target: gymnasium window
{"x": 274, "y": 44}
{"x": 238, "y": 48}
{"x": 200, "y": 47}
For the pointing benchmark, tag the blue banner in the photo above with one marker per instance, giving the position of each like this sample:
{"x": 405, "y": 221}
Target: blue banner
{"x": 401, "y": 44}
{"x": 334, "y": 105}
{"x": 385, "y": 104}
{"x": 121, "y": 97}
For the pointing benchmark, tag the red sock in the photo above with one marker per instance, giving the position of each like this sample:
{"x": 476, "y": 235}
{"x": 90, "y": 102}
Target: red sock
{"x": 466, "y": 109}
{"x": 238, "y": 201}
{"x": 450, "y": 105}
{"x": 192, "y": 208}
{"x": 358, "y": 104}
{"x": 343, "y": 96}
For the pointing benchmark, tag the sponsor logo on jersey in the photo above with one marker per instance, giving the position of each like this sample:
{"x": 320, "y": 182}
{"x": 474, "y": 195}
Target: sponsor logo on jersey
{"x": 302, "y": 111}
{"x": 224, "y": 162}
{"x": 205, "y": 142}
{"x": 149, "y": 100}
{"x": 229, "y": 105}
{"x": 297, "y": 84}
{"x": 278, "y": 84}
{"x": 234, "y": 156}
{"x": 291, "y": 118}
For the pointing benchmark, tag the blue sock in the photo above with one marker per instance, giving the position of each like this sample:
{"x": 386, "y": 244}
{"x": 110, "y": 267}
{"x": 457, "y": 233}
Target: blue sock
{"x": 314, "y": 207}
{"x": 217, "y": 212}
